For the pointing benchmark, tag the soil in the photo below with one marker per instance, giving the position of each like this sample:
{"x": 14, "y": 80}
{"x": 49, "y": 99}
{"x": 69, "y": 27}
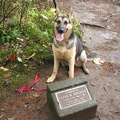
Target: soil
{"x": 100, "y": 22}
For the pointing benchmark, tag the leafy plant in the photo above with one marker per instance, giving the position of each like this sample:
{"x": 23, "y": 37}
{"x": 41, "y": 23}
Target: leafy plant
{"x": 9, "y": 35}
{"x": 77, "y": 29}
{"x": 4, "y": 36}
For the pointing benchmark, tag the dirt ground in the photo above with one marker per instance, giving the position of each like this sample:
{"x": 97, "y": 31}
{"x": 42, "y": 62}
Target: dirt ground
{"x": 100, "y": 22}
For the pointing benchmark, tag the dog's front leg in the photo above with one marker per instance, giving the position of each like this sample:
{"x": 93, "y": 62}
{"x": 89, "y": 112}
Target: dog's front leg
{"x": 71, "y": 68}
{"x": 55, "y": 69}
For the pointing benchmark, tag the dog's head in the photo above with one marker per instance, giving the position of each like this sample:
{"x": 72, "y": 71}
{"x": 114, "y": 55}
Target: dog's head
{"x": 62, "y": 26}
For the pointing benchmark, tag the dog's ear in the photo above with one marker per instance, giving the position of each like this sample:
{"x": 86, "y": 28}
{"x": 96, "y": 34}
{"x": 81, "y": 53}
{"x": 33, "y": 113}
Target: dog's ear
{"x": 70, "y": 13}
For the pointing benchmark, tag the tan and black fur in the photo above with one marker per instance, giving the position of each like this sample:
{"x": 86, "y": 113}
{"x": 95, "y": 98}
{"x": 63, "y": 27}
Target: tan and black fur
{"x": 67, "y": 47}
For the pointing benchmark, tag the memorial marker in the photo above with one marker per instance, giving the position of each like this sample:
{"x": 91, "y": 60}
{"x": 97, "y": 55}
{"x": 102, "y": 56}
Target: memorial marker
{"x": 71, "y": 99}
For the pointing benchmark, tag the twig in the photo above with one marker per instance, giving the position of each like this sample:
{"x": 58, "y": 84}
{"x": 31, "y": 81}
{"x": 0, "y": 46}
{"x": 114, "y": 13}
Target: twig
{"x": 21, "y": 14}
{"x": 8, "y": 6}
{"x": 5, "y": 16}
{"x": 3, "y": 11}
{"x": 93, "y": 25}
{"x": 24, "y": 6}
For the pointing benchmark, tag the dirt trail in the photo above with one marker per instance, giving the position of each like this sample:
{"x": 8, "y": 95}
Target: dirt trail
{"x": 101, "y": 26}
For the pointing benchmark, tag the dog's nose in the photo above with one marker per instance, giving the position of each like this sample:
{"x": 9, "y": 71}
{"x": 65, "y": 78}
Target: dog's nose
{"x": 61, "y": 31}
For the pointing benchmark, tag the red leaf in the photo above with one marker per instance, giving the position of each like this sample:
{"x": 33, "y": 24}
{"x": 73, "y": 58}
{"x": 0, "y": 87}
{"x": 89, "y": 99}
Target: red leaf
{"x": 11, "y": 57}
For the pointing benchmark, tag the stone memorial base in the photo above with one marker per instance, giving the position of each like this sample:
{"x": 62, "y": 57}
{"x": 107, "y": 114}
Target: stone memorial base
{"x": 71, "y": 99}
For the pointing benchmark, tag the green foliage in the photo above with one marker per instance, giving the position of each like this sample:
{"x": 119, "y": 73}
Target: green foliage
{"x": 4, "y": 36}
{"x": 14, "y": 33}
{"x": 9, "y": 35}
{"x": 77, "y": 29}
{"x": 39, "y": 25}
{"x": 31, "y": 31}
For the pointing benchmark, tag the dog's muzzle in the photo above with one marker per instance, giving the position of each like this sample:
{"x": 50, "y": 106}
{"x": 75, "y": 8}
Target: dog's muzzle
{"x": 61, "y": 31}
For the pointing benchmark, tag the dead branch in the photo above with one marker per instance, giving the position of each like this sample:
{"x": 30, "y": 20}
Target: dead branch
{"x": 93, "y": 25}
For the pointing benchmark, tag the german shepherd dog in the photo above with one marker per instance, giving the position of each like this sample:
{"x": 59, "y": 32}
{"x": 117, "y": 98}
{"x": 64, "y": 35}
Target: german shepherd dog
{"x": 67, "y": 47}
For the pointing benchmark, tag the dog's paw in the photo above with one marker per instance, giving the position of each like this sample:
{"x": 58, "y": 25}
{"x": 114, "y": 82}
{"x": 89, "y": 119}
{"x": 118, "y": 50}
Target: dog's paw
{"x": 86, "y": 70}
{"x": 49, "y": 80}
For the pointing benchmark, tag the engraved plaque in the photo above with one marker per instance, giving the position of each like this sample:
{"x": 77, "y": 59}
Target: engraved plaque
{"x": 73, "y": 96}
{"x": 71, "y": 99}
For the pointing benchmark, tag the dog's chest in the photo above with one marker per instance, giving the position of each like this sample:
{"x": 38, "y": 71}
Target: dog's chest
{"x": 63, "y": 53}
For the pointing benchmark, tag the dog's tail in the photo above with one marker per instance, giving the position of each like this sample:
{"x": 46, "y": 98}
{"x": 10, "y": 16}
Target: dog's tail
{"x": 55, "y": 4}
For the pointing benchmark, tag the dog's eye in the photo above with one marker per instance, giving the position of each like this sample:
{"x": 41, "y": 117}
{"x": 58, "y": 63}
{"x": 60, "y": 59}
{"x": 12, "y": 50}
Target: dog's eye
{"x": 65, "y": 22}
{"x": 58, "y": 22}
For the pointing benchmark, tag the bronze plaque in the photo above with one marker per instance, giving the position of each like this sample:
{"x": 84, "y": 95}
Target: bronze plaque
{"x": 72, "y": 96}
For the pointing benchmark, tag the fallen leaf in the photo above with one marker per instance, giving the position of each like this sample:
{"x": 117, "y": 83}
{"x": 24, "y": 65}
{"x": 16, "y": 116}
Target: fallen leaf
{"x": 7, "y": 75}
{"x": 98, "y": 61}
{"x": 11, "y": 57}
{"x": 44, "y": 17}
{"x": 2, "y": 109}
{"x": 102, "y": 61}
{"x": 19, "y": 59}
{"x": 25, "y": 65}
{"x": 31, "y": 56}
{"x": 4, "y": 69}
{"x": 36, "y": 95}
